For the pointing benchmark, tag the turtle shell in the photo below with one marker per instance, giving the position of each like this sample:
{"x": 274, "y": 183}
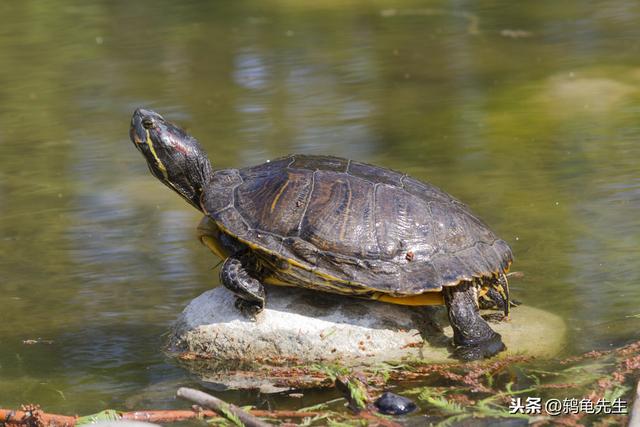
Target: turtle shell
{"x": 348, "y": 227}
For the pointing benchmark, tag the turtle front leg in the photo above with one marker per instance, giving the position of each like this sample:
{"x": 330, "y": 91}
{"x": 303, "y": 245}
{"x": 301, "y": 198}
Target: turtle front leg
{"x": 236, "y": 276}
{"x": 473, "y": 337}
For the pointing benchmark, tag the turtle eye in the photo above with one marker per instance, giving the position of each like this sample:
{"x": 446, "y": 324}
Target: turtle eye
{"x": 147, "y": 123}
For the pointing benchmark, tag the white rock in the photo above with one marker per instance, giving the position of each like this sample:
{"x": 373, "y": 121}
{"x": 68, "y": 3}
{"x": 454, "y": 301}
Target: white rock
{"x": 300, "y": 326}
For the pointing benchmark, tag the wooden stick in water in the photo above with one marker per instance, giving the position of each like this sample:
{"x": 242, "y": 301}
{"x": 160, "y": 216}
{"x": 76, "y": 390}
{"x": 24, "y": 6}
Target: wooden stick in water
{"x": 220, "y": 406}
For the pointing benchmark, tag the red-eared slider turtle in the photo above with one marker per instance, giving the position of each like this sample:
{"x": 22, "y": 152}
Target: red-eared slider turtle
{"x": 337, "y": 226}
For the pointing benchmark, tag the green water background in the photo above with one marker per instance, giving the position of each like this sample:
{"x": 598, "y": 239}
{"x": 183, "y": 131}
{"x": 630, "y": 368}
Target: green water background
{"x": 528, "y": 112}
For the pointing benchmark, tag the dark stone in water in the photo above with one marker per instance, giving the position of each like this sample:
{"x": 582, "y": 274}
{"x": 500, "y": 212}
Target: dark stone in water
{"x": 393, "y": 404}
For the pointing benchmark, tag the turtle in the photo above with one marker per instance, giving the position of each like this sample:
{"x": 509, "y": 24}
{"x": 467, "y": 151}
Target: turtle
{"x": 338, "y": 226}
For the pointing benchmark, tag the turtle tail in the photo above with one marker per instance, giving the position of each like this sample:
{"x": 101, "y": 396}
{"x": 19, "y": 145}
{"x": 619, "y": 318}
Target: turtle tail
{"x": 494, "y": 294}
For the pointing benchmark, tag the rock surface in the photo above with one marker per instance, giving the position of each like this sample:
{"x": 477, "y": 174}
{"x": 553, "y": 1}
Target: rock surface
{"x": 300, "y": 327}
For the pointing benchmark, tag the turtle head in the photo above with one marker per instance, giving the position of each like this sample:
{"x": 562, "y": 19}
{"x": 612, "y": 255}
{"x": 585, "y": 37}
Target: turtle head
{"x": 173, "y": 156}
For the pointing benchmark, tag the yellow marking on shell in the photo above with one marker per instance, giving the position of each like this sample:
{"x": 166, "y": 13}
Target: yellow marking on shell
{"x": 275, "y": 200}
{"x": 329, "y": 278}
{"x": 214, "y": 246}
{"x": 272, "y": 280}
{"x": 427, "y": 298}
{"x": 159, "y": 163}
{"x": 209, "y": 237}
{"x": 293, "y": 262}
{"x": 343, "y": 227}
{"x": 317, "y": 283}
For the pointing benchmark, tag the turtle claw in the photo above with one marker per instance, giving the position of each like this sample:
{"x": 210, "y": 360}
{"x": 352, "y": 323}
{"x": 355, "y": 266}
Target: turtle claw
{"x": 494, "y": 317}
{"x": 249, "y": 309}
{"x": 482, "y": 350}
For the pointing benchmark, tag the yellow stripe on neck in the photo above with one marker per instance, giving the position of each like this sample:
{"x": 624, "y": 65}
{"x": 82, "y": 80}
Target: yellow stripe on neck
{"x": 155, "y": 155}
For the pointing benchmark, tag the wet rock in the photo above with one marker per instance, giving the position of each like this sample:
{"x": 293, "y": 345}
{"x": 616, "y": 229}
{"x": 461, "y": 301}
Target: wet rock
{"x": 393, "y": 404}
{"x": 300, "y": 327}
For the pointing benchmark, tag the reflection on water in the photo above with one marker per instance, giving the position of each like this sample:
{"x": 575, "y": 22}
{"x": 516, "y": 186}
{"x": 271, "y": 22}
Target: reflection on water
{"x": 530, "y": 116}
{"x": 294, "y": 97}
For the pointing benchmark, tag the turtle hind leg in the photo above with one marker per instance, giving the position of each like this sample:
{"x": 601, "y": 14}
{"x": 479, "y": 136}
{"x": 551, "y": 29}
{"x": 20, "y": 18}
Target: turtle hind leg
{"x": 235, "y": 275}
{"x": 472, "y": 336}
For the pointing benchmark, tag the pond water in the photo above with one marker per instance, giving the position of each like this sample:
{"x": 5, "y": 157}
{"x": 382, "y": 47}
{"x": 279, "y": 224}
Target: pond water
{"x": 530, "y": 115}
